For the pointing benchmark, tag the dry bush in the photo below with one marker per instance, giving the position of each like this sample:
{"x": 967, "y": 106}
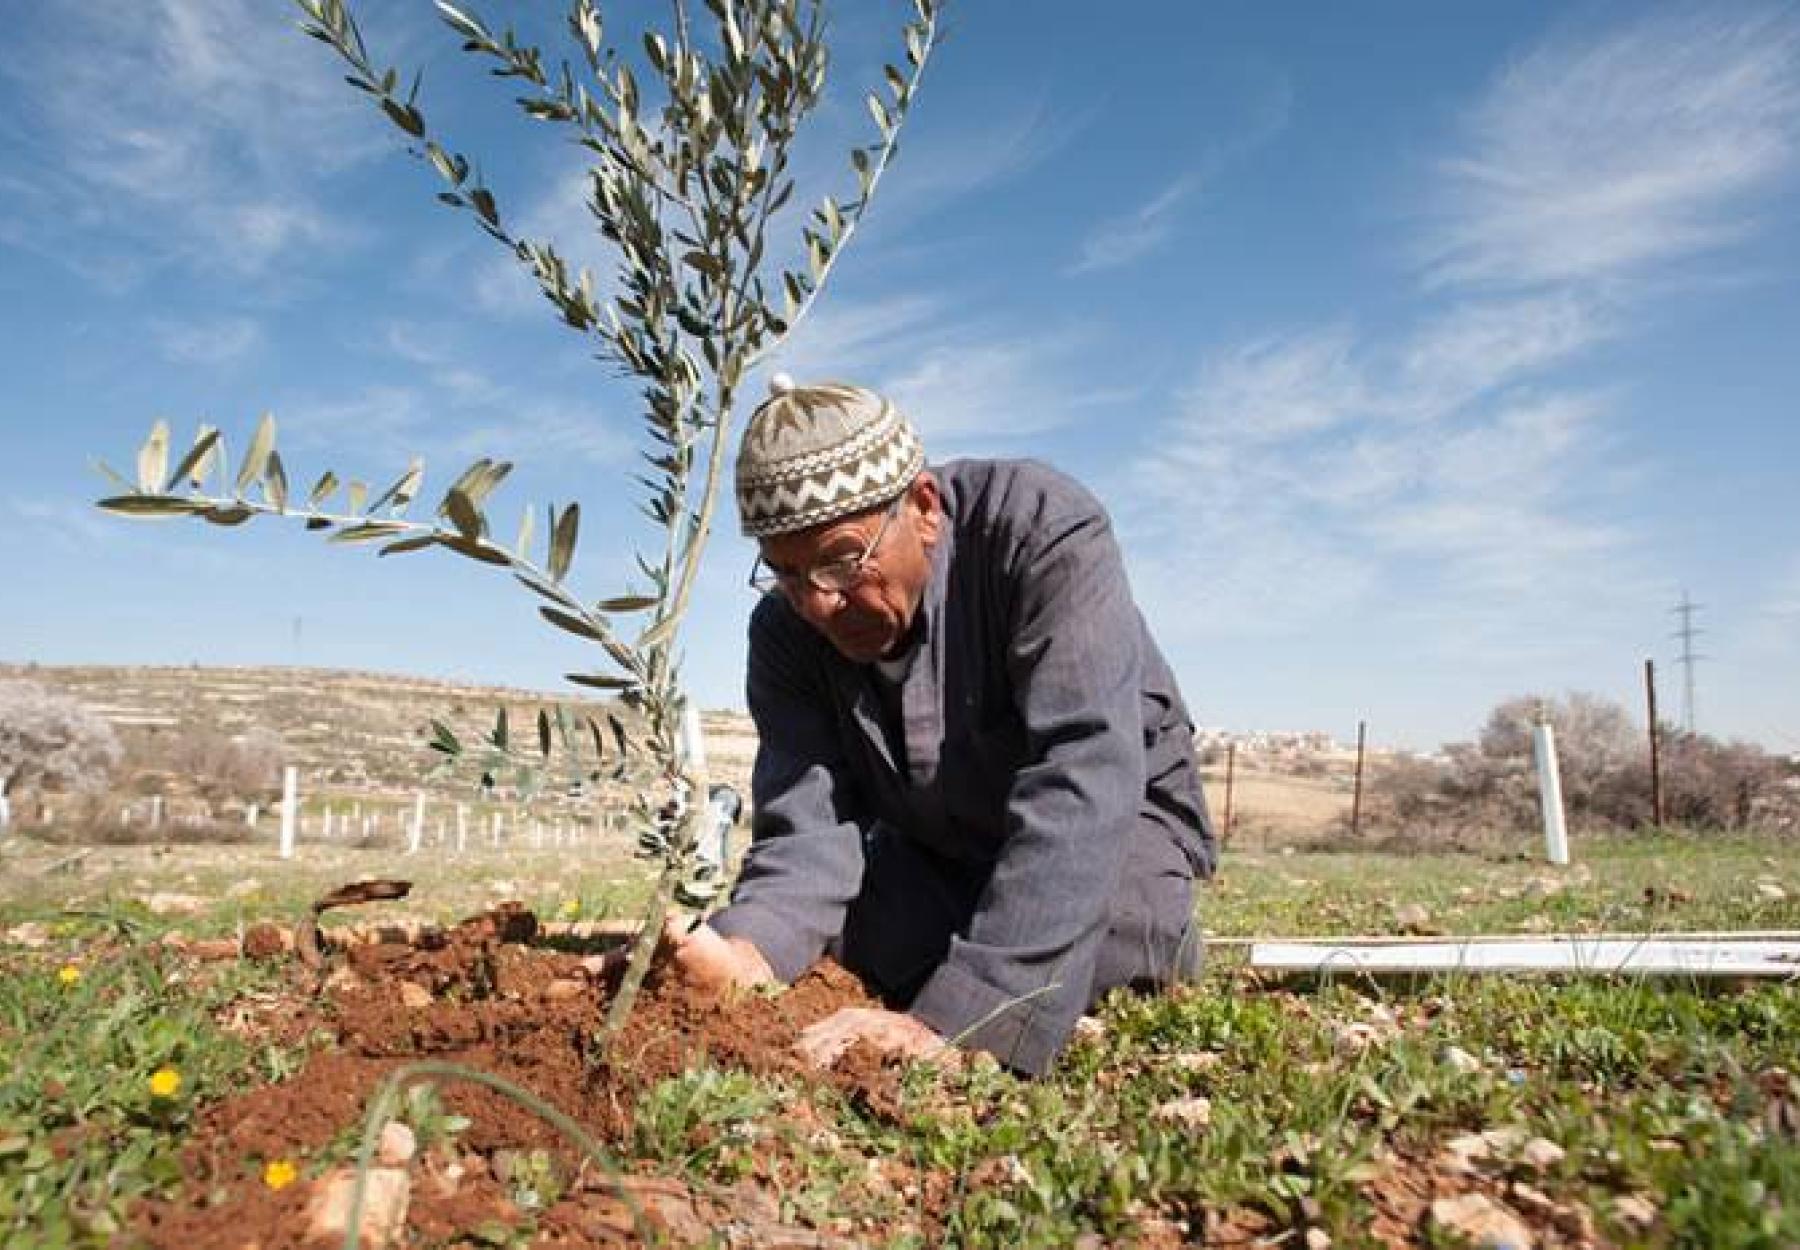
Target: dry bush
{"x": 213, "y": 764}
{"x": 1491, "y": 785}
{"x": 50, "y": 741}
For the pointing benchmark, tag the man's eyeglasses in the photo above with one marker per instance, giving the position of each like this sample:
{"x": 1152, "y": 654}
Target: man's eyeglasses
{"x": 832, "y": 577}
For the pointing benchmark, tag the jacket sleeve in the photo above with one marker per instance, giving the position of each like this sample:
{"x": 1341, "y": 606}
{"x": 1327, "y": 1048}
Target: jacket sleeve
{"x": 805, "y": 861}
{"x": 1021, "y": 978}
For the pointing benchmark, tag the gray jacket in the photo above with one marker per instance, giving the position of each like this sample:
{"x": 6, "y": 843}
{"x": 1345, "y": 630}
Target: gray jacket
{"x": 1037, "y": 732}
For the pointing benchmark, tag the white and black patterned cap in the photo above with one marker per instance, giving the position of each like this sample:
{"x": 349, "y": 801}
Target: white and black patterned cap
{"x": 812, "y": 454}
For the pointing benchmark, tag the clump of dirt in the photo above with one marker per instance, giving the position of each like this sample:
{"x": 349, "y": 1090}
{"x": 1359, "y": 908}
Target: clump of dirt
{"x": 480, "y": 996}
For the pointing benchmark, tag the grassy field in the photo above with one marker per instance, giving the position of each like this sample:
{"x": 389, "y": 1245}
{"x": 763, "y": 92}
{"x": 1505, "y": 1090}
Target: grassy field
{"x": 1239, "y": 1111}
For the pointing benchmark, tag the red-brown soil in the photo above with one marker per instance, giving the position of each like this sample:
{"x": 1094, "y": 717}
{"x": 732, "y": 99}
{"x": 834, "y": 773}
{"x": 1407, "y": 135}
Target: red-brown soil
{"x": 478, "y": 997}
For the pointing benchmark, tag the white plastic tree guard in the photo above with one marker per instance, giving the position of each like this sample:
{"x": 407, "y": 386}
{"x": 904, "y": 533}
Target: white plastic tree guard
{"x": 290, "y": 809}
{"x": 1556, "y": 834}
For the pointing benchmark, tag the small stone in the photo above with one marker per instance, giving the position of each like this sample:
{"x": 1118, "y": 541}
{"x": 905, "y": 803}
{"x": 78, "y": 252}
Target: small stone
{"x": 1190, "y": 1112}
{"x": 1318, "y": 1239}
{"x": 31, "y": 934}
{"x": 1089, "y": 1029}
{"x": 1462, "y": 1154}
{"x": 396, "y": 1146}
{"x": 343, "y": 979}
{"x": 168, "y": 903}
{"x": 1532, "y": 1199}
{"x": 1459, "y": 1060}
{"x": 1482, "y": 1222}
{"x": 1634, "y": 1209}
{"x": 1353, "y": 1037}
{"x": 414, "y": 996}
{"x": 562, "y": 990}
{"x": 1540, "y": 1154}
{"x": 1770, "y": 891}
{"x": 1412, "y": 918}
{"x": 385, "y": 1196}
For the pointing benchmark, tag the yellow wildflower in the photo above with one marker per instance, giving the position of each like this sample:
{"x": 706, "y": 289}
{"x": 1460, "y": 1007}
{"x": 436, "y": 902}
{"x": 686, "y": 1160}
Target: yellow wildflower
{"x": 280, "y": 1173}
{"x": 69, "y": 974}
{"x": 165, "y": 1083}
{"x": 571, "y": 907}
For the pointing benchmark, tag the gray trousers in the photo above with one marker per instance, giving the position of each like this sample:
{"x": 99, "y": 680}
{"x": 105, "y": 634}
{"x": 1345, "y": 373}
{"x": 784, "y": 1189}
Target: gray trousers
{"x": 913, "y": 901}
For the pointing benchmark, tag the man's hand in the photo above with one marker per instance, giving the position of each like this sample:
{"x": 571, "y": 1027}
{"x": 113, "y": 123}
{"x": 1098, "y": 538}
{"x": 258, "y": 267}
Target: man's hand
{"x": 712, "y": 964}
{"x": 890, "y": 1032}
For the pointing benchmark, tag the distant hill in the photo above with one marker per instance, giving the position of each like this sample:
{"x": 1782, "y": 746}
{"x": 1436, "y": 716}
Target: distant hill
{"x": 351, "y": 731}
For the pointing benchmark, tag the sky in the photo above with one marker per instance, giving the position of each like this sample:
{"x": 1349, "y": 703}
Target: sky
{"x": 1425, "y": 355}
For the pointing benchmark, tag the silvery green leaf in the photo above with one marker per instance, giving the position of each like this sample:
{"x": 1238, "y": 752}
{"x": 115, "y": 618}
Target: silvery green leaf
{"x": 600, "y": 681}
{"x": 194, "y": 465}
{"x": 555, "y": 594}
{"x": 464, "y": 24}
{"x": 401, "y": 492}
{"x": 152, "y": 505}
{"x": 261, "y": 444}
{"x": 474, "y": 549}
{"x": 527, "y": 524}
{"x": 367, "y": 531}
{"x": 562, "y": 541}
{"x": 405, "y": 116}
{"x": 404, "y": 545}
{"x": 355, "y": 495}
{"x": 442, "y": 739}
{"x": 153, "y": 459}
{"x": 228, "y": 514}
{"x": 275, "y": 483}
{"x": 627, "y": 603}
{"x": 569, "y": 621}
{"x": 321, "y": 491}
{"x": 463, "y": 514}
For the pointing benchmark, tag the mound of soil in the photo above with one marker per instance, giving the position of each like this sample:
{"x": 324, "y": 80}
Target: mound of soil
{"x": 480, "y": 997}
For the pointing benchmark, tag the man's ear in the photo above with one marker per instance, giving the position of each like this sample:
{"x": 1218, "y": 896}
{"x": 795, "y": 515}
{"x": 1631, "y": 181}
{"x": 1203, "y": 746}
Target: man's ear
{"x": 927, "y": 501}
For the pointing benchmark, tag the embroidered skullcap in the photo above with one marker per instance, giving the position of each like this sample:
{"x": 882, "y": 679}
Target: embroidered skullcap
{"x": 812, "y": 454}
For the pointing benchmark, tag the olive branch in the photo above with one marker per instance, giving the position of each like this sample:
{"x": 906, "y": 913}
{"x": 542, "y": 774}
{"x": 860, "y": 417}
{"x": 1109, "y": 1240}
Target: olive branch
{"x": 688, "y": 171}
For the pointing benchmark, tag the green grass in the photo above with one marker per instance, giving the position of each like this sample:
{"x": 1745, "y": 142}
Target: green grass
{"x": 1320, "y": 1095}
{"x": 106, "y": 1050}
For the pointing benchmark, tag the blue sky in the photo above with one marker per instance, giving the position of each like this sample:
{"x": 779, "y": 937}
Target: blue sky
{"x": 1425, "y": 353}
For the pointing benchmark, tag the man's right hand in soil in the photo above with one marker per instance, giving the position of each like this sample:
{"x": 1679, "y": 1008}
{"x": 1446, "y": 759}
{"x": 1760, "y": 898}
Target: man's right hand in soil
{"x": 714, "y": 965}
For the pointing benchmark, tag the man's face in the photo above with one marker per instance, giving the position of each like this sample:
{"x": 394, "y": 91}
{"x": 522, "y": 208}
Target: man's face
{"x": 871, "y": 617}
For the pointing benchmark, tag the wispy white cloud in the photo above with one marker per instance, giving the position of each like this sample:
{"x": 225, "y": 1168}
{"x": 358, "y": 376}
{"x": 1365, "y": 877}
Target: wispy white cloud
{"x": 212, "y": 341}
{"x": 1457, "y": 476}
{"x": 452, "y": 409}
{"x": 1598, "y": 155}
{"x": 1333, "y": 478}
{"x": 1123, "y": 239}
{"x": 193, "y": 133}
{"x": 968, "y": 383}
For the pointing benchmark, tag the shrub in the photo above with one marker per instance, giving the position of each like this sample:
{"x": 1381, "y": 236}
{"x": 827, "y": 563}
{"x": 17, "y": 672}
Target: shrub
{"x": 49, "y": 741}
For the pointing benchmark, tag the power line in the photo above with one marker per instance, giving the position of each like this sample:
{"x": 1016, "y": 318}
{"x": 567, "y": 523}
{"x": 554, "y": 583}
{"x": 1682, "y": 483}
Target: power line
{"x": 1686, "y": 634}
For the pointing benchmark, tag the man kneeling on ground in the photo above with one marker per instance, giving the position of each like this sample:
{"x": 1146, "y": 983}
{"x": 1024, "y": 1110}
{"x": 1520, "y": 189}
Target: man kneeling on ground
{"x": 975, "y": 782}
